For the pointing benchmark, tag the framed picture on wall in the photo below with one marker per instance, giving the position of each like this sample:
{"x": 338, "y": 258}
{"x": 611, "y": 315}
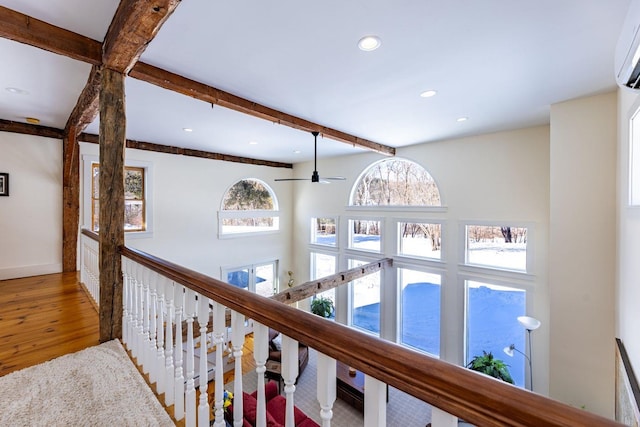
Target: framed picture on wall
{"x": 4, "y": 184}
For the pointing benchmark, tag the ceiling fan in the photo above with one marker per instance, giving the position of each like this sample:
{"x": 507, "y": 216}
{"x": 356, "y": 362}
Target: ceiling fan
{"x": 315, "y": 176}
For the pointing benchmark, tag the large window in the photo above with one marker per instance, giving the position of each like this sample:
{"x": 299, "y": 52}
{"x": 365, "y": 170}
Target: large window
{"x": 420, "y": 310}
{"x": 365, "y": 300}
{"x": 257, "y": 278}
{"x": 249, "y": 206}
{"x": 502, "y": 247}
{"x": 364, "y": 234}
{"x": 324, "y": 231}
{"x": 323, "y": 265}
{"x": 492, "y": 323}
{"x": 420, "y": 239}
{"x": 134, "y": 198}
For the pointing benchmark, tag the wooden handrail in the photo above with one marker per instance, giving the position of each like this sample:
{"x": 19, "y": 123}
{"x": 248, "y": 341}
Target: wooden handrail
{"x": 475, "y": 397}
{"x": 90, "y": 234}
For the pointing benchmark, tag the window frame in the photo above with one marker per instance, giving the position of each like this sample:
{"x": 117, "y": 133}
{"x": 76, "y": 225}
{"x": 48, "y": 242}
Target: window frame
{"x": 87, "y": 195}
{"x": 313, "y": 232}
{"x": 398, "y": 239}
{"x": 349, "y": 234}
{"x": 224, "y": 214}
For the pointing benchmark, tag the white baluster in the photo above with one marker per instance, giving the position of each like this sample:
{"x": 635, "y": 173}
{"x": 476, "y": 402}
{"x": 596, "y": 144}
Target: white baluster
{"x": 141, "y": 311}
{"x": 289, "y": 366}
{"x": 203, "y": 320}
{"x": 260, "y": 354}
{"x": 152, "y": 350}
{"x": 135, "y": 322}
{"x": 219, "y": 333}
{"x": 326, "y": 387}
{"x": 190, "y": 394}
{"x": 144, "y": 349}
{"x": 169, "y": 374}
{"x": 160, "y": 362}
{"x": 237, "y": 342}
{"x": 440, "y": 418}
{"x": 125, "y": 301}
{"x": 375, "y": 402}
{"x": 178, "y": 408}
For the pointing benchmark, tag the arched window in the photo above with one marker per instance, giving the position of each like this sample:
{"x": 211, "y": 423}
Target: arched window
{"x": 395, "y": 182}
{"x": 249, "y": 206}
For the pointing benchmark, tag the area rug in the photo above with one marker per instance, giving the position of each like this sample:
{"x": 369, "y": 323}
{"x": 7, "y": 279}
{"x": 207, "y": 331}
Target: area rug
{"x": 98, "y": 386}
{"x": 402, "y": 409}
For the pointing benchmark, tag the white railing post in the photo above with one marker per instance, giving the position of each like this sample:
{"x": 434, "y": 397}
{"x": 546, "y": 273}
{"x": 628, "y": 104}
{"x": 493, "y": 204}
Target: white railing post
{"x": 169, "y": 374}
{"x": 440, "y": 418}
{"x": 144, "y": 349}
{"x": 375, "y": 402}
{"x": 260, "y": 354}
{"x": 289, "y": 366}
{"x": 190, "y": 394}
{"x": 326, "y": 387}
{"x": 178, "y": 384}
{"x": 219, "y": 333}
{"x": 203, "y": 320}
{"x": 237, "y": 342}
{"x": 159, "y": 356}
{"x": 152, "y": 350}
{"x": 125, "y": 300}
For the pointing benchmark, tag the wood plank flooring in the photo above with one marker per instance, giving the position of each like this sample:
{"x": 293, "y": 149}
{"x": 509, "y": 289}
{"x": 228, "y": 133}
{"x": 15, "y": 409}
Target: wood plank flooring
{"x": 44, "y": 317}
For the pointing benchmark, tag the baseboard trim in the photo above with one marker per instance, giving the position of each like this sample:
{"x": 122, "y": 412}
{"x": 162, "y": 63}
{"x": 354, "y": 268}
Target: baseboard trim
{"x": 29, "y": 270}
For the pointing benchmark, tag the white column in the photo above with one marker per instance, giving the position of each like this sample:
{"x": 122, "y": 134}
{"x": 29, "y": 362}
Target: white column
{"x": 219, "y": 333}
{"x": 260, "y": 354}
{"x": 375, "y": 402}
{"x": 178, "y": 408}
{"x": 440, "y": 418}
{"x": 190, "y": 394}
{"x": 203, "y": 320}
{"x": 237, "y": 342}
{"x": 169, "y": 374}
{"x": 326, "y": 387}
{"x": 289, "y": 368}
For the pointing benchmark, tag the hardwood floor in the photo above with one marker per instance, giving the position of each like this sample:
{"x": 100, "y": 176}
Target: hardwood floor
{"x": 44, "y": 317}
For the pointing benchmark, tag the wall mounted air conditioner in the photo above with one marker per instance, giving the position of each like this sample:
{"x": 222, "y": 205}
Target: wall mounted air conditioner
{"x": 627, "y": 59}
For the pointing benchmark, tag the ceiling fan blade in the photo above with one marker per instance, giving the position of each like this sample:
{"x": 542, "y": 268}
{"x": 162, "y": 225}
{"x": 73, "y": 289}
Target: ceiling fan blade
{"x": 334, "y": 178}
{"x": 291, "y": 179}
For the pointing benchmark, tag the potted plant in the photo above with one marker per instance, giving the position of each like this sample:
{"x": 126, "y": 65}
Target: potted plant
{"x": 322, "y": 306}
{"x": 488, "y": 365}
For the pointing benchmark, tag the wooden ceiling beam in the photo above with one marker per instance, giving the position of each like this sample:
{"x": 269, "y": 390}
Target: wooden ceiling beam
{"x": 121, "y": 54}
{"x": 29, "y": 129}
{"x": 87, "y": 107}
{"x": 22, "y": 28}
{"x": 171, "y": 81}
{"x": 169, "y": 149}
{"x": 134, "y": 25}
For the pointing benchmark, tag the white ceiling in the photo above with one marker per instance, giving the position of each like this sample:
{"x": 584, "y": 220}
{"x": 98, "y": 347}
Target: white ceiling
{"x": 501, "y": 63}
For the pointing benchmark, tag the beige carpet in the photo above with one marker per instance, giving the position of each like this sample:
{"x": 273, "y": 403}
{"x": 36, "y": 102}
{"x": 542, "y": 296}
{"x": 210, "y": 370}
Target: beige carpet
{"x": 98, "y": 386}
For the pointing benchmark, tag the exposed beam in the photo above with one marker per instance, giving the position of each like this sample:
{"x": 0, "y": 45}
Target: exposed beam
{"x": 169, "y": 149}
{"x": 171, "y": 81}
{"x": 22, "y": 28}
{"x": 309, "y": 289}
{"x": 134, "y": 25}
{"x": 87, "y": 107}
{"x": 70, "y": 200}
{"x": 29, "y": 129}
{"x": 25, "y": 29}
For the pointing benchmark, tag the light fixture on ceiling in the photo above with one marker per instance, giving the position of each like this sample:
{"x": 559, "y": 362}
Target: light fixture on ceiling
{"x": 187, "y": 129}
{"x": 297, "y": 151}
{"x": 462, "y": 119}
{"x": 16, "y": 90}
{"x": 369, "y": 43}
{"x": 32, "y": 120}
{"x": 315, "y": 176}
{"x": 428, "y": 93}
{"x": 253, "y": 142}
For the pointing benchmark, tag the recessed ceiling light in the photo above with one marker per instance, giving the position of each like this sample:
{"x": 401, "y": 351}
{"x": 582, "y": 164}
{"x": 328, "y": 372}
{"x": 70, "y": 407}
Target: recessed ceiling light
{"x": 297, "y": 151}
{"x": 253, "y": 142}
{"x": 16, "y": 91}
{"x": 187, "y": 129}
{"x": 369, "y": 43}
{"x": 32, "y": 120}
{"x": 462, "y": 119}
{"x": 428, "y": 93}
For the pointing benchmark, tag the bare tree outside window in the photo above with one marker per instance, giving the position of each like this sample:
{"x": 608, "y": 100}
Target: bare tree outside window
{"x": 253, "y": 196}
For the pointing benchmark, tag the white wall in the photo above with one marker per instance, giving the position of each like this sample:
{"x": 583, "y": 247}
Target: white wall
{"x": 628, "y": 295}
{"x": 500, "y": 177}
{"x": 582, "y": 252}
{"x": 186, "y": 197}
{"x": 31, "y": 217}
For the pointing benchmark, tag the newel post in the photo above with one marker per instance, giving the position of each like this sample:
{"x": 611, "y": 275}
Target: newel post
{"x": 112, "y": 145}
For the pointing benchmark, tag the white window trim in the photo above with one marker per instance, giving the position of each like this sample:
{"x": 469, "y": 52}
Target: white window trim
{"x": 443, "y": 230}
{"x": 262, "y": 213}
{"x": 312, "y": 232}
{"x": 87, "y": 161}
{"x": 356, "y": 251}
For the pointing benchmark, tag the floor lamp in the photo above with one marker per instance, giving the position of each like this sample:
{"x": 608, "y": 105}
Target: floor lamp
{"x": 530, "y": 324}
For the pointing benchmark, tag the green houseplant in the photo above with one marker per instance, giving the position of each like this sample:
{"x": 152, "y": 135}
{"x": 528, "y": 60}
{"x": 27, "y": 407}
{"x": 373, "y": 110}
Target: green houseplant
{"x": 491, "y": 366}
{"x": 322, "y": 306}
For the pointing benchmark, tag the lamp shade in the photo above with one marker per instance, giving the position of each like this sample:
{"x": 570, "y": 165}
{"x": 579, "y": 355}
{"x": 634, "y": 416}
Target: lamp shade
{"x": 509, "y": 350}
{"x": 529, "y": 323}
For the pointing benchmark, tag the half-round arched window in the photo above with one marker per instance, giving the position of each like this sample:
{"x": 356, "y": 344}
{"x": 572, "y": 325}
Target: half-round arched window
{"x": 395, "y": 182}
{"x": 249, "y": 206}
